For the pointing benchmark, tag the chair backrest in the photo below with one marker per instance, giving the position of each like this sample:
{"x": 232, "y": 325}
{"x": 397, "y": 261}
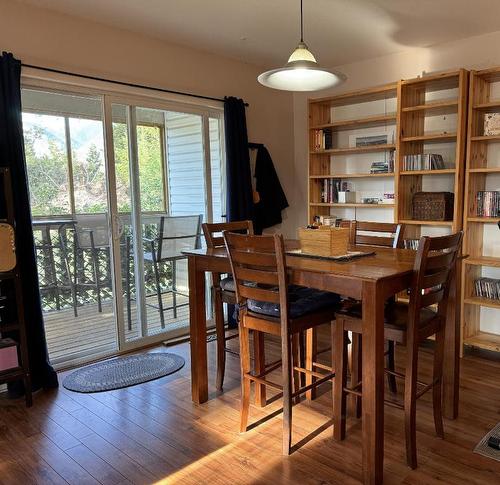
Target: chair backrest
{"x": 213, "y": 231}
{"x": 383, "y": 234}
{"x": 91, "y": 231}
{"x": 259, "y": 269}
{"x": 435, "y": 265}
{"x": 178, "y": 233}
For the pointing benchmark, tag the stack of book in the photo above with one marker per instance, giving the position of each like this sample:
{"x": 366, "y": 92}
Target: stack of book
{"x": 426, "y": 161}
{"x": 330, "y": 192}
{"x": 411, "y": 244}
{"x": 323, "y": 139}
{"x": 382, "y": 167}
{"x": 488, "y": 203}
{"x": 331, "y": 189}
{"x": 487, "y": 288}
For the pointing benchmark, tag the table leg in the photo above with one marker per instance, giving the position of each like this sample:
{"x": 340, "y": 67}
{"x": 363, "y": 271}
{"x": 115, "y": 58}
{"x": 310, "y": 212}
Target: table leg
{"x": 373, "y": 383}
{"x": 198, "y": 333}
{"x": 451, "y": 364}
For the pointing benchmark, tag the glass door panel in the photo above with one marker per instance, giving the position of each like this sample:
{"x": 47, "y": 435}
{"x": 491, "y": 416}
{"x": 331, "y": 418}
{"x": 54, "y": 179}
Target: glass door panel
{"x": 64, "y": 147}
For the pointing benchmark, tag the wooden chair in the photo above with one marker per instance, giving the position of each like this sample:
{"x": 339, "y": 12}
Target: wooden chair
{"x": 383, "y": 234}
{"x": 408, "y": 324}
{"x": 267, "y": 306}
{"x": 223, "y": 288}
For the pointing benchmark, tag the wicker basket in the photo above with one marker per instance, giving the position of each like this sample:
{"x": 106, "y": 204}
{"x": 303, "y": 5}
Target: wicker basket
{"x": 433, "y": 206}
{"x": 325, "y": 241}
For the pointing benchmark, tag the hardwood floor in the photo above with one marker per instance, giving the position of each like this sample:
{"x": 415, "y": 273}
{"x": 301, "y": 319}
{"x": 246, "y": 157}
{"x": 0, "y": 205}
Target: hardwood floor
{"x": 152, "y": 433}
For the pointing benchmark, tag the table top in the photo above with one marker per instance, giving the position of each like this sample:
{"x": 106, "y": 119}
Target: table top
{"x": 384, "y": 263}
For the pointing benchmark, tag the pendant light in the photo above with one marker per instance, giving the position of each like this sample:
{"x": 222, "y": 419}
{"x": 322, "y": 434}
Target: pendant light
{"x": 301, "y": 72}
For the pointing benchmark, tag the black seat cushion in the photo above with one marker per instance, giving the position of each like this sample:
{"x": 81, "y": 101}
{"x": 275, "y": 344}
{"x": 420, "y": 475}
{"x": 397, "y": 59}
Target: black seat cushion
{"x": 302, "y": 302}
{"x": 228, "y": 284}
{"x": 395, "y": 315}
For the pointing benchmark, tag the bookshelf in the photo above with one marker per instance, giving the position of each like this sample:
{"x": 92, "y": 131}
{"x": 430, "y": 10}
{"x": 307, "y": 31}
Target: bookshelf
{"x": 344, "y": 123}
{"x": 431, "y": 120}
{"x": 481, "y": 316}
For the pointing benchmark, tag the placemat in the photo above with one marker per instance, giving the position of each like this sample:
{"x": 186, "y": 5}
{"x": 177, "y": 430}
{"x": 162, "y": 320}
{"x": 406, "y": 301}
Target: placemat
{"x": 342, "y": 258}
{"x": 482, "y": 447}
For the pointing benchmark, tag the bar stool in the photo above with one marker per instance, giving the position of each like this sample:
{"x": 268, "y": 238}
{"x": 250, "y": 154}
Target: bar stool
{"x": 268, "y": 305}
{"x": 408, "y": 324}
{"x": 223, "y": 288}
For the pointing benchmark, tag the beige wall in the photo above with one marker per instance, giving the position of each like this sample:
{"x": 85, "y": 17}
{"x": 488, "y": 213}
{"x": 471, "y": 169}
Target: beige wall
{"x": 473, "y": 53}
{"x": 45, "y": 38}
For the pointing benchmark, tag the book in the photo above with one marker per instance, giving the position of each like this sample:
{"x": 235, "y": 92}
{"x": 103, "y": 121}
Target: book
{"x": 488, "y": 203}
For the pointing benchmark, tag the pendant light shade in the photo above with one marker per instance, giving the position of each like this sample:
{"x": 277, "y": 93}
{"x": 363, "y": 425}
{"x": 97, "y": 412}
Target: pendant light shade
{"x": 301, "y": 72}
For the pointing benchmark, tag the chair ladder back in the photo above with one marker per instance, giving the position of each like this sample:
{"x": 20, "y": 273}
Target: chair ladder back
{"x": 383, "y": 234}
{"x": 435, "y": 265}
{"x": 211, "y": 231}
{"x": 256, "y": 264}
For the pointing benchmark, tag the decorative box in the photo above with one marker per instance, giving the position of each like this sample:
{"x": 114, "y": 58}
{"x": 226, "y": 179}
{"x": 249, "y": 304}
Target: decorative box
{"x": 324, "y": 241}
{"x": 491, "y": 124}
{"x": 433, "y": 206}
{"x": 347, "y": 197}
{"x": 8, "y": 354}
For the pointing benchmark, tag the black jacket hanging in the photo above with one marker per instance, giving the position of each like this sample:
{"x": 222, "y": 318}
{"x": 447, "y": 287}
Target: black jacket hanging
{"x": 271, "y": 198}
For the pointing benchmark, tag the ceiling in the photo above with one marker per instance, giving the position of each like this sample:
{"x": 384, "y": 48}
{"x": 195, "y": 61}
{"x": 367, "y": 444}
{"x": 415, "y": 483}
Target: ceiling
{"x": 263, "y": 32}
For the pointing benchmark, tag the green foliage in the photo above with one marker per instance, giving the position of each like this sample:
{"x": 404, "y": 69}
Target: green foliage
{"x": 48, "y": 173}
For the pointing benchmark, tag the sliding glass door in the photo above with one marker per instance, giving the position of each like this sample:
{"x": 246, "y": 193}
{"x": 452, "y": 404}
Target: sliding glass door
{"x": 118, "y": 189}
{"x": 165, "y": 166}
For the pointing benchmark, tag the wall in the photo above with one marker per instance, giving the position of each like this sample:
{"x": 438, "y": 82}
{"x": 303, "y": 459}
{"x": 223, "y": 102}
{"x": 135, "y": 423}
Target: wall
{"x": 472, "y": 53}
{"x": 41, "y": 37}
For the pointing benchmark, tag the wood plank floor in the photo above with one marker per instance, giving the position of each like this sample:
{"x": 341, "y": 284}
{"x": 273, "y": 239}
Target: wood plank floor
{"x": 152, "y": 433}
{"x": 92, "y": 334}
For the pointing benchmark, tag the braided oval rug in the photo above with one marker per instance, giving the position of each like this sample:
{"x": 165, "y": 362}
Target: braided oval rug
{"x": 123, "y": 372}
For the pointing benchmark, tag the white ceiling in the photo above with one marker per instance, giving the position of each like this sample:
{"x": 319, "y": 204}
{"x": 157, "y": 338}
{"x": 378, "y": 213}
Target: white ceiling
{"x": 263, "y": 32}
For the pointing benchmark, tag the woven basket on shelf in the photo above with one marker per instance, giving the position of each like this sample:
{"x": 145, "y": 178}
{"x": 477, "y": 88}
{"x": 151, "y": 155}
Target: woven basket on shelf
{"x": 433, "y": 206}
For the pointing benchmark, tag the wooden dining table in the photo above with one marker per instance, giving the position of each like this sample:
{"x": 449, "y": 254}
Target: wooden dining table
{"x": 372, "y": 279}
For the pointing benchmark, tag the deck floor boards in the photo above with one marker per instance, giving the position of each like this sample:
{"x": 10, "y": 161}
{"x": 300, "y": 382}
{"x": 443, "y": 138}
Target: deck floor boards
{"x": 93, "y": 334}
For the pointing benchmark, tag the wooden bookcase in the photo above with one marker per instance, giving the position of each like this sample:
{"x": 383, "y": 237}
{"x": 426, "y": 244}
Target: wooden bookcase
{"x": 362, "y": 113}
{"x": 432, "y": 118}
{"x": 482, "y": 236}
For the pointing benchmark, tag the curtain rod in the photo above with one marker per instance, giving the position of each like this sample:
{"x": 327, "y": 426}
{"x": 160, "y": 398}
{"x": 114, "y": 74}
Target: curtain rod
{"x": 123, "y": 83}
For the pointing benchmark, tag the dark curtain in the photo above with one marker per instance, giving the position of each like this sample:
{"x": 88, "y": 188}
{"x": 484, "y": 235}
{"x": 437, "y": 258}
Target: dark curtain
{"x": 12, "y": 156}
{"x": 239, "y": 202}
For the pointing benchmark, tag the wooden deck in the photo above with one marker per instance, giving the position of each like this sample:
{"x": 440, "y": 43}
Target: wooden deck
{"x": 90, "y": 335}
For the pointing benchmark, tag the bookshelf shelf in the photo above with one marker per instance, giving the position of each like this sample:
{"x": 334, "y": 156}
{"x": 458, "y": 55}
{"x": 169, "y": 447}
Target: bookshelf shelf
{"x": 487, "y": 106}
{"x": 425, "y": 223}
{"x": 351, "y": 175}
{"x": 431, "y": 137}
{"x": 488, "y": 138}
{"x": 367, "y": 122}
{"x": 484, "y": 170}
{"x": 484, "y": 340}
{"x": 485, "y": 220}
{"x": 352, "y": 150}
{"x": 475, "y": 232}
{"x": 488, "y": 302}
{"x": 434, "y": 108}
{"x": 484, "y": 261}
{"x": 351, "y": 205}
{"x": 428, "y": 172}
